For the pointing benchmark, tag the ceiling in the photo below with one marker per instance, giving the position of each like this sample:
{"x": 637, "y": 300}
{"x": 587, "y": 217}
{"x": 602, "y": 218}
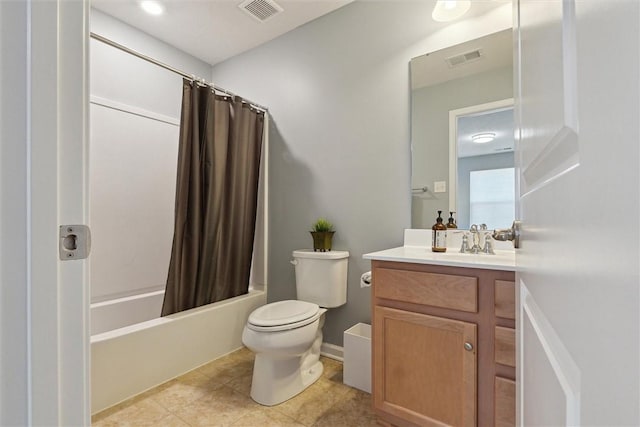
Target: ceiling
{"x": 214, "y": 30}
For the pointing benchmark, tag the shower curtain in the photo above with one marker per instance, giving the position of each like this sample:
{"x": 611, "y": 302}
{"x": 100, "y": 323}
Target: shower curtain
{"x": 216, "y": 199}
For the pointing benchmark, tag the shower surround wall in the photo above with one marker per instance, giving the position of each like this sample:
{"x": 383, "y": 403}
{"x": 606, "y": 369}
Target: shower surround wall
{"x": 135, "y": 117}
{"x": 338, "y": 92}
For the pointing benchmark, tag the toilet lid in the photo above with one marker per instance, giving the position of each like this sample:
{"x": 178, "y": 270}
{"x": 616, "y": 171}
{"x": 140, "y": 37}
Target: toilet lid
{"x": 283, "y": 313}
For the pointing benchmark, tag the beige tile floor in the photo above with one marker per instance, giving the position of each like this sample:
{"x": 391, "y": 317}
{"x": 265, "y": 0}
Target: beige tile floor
{"x": 217, "y": 394}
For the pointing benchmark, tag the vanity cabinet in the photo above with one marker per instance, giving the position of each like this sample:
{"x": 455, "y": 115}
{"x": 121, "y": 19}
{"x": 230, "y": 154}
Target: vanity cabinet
{"x": 443, "y": 345}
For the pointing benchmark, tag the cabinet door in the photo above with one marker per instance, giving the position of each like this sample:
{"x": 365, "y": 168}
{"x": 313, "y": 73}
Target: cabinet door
{"x": 504, "y": 402}
{"x": 422, "y": 371}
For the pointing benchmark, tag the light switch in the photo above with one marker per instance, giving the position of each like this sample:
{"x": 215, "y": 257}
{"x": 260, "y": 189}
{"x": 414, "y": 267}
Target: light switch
{"x": 440, "y": 187}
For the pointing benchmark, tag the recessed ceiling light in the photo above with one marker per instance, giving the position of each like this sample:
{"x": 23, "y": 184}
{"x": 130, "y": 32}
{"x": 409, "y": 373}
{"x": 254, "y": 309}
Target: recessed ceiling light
{"x": 449, "y": 4}
{"x": 152, "y": 7}
{"x": 481, "y": 138}
{"x": 448, "y": 10}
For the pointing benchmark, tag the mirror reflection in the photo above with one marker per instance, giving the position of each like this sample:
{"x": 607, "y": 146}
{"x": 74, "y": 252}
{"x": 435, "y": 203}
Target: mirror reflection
{"x": 462, "y": 133}
{"x": 481, "y": 164}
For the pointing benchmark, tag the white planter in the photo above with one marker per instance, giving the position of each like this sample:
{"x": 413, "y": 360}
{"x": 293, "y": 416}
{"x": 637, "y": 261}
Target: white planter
{"x": 357, "y": 357}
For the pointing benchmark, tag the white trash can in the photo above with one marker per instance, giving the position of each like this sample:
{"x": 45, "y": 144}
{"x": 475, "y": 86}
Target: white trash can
{"x": 357, "y": 357}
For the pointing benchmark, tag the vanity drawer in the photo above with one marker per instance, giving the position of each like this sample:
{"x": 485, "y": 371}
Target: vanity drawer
{"x": 438, "y": 290}
{"x": 505, "y": 346}
{"x": 505, "y": 299}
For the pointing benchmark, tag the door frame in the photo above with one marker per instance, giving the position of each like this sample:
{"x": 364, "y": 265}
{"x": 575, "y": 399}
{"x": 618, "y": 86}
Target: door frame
{"x": 45, "y": 347}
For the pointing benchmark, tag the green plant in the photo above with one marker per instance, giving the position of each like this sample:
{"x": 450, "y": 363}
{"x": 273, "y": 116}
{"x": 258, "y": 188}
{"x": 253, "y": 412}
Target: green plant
{"x": 322, "y": 225}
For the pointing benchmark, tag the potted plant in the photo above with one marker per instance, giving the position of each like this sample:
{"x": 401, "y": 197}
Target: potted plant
{"x": 322, "y": 234}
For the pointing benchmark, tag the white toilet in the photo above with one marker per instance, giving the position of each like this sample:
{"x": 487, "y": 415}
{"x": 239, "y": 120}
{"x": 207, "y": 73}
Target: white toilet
{"x": 286, "y": 335}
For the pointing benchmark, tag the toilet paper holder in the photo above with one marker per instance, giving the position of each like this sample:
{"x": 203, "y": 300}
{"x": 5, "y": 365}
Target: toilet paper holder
{"x": 365, "y": 280}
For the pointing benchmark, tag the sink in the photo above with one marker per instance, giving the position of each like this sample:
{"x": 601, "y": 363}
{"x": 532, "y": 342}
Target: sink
{"x": 417, "y": 249}
{"x": 502, "y": 260}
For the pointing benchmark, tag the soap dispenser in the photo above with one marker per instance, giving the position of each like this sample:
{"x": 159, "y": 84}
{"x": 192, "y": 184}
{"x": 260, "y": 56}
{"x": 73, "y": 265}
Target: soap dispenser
{"x": 439, "y": 243}
{"x": 452, "y": 222}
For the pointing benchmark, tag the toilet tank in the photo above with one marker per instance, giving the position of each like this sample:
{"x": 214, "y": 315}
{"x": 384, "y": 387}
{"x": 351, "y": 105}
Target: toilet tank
{"x": 321, "y": 277}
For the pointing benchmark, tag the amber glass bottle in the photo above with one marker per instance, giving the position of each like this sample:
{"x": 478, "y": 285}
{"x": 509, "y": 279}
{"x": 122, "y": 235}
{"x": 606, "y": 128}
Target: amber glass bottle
{"x": 439, "y": 243}
{"x": 452, "y": 222}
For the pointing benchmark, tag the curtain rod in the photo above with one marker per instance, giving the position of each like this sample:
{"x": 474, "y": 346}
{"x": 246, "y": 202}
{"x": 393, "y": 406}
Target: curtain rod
{"x": 170, "y": 68}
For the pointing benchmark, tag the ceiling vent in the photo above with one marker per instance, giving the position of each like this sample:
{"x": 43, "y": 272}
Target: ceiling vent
{"x": 457, "y": 60}
{"x": 261, "y": 9}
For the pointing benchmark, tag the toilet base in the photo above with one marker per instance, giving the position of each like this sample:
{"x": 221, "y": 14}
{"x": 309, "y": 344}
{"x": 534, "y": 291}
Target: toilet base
{"x": 277, "y": 378}
{"x": 275, "y": 382}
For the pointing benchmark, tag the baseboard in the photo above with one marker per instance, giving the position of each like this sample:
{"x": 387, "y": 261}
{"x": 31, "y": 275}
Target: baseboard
{"x": 332, "y": 351}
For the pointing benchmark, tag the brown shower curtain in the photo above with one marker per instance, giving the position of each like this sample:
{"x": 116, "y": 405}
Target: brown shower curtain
{"x": 216, "y": 199}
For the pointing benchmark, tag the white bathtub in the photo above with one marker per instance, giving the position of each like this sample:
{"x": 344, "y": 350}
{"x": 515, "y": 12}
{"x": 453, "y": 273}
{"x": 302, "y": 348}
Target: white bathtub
{"x": 117, "y": 313}
{"x": 140, "y": 354}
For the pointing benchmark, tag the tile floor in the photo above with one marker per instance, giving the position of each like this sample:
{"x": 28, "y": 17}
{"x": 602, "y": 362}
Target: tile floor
{"x": 217, "y": 394}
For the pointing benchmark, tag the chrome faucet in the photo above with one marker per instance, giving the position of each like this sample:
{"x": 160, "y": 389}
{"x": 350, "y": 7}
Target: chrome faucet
{"x": 465, "y": 244}
{"x": 488, "y": 244}
{"x": 475, "y": 237}
{"x": 480, "y": 240}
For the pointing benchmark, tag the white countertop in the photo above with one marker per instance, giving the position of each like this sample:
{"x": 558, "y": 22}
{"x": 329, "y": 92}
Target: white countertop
{"x": 502, "y": 260}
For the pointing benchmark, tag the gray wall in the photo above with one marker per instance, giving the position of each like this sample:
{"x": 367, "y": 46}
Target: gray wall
{"x": 430, "y": 108}
{"x": 338, "y": 94}
{"x": 14, "y": 222}
{"x": 476, "y": 163}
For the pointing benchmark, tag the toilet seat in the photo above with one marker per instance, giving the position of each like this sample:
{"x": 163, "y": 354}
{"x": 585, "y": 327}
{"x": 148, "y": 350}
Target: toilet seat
{"x": 283, "y": 315}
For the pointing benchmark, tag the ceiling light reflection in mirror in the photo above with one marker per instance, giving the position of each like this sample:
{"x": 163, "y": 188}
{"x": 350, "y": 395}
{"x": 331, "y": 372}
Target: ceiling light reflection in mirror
{"x": 482, "y": 138}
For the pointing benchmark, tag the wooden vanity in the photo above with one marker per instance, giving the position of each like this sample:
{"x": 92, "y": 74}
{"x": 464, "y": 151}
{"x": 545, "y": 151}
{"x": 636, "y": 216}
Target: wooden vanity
{"x": 443, "y": 342}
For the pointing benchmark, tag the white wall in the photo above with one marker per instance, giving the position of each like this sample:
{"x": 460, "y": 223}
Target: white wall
{"x": 118, "y": 31}
{"x": 338, "y": 93}
{"x": 135, "y": 116}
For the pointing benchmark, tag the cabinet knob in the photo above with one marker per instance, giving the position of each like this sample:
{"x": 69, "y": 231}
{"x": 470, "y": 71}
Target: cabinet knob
{"x": 468, "y": 346}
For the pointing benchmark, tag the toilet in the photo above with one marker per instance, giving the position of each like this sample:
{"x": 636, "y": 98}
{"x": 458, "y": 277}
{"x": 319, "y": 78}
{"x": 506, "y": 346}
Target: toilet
{"x": 286, "y": 335}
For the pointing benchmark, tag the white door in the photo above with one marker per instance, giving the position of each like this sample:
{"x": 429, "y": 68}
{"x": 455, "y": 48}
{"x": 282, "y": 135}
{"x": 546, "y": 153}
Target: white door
{"x": 577, "y": 112}
{"x": 44, "y": 314}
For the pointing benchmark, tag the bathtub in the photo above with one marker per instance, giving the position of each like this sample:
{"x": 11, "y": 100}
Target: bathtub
{"x": 133, "y": 350}
{"x": 117, "y": 313}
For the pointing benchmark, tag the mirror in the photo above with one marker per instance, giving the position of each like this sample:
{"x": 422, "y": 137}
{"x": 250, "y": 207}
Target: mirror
{"x": 458, "y": 93}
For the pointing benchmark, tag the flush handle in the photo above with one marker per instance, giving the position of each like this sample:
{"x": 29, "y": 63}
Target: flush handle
{"x": 294, "y": 261}
{"x": 512, "y": 233}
